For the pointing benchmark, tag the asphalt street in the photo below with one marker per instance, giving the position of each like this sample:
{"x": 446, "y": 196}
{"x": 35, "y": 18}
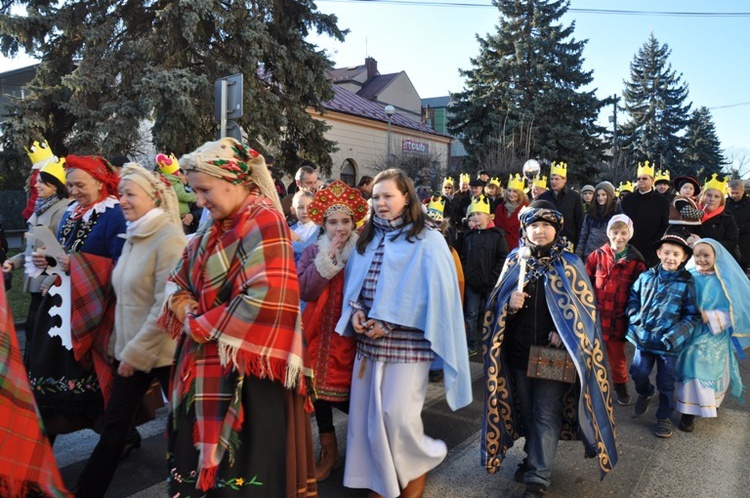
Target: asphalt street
{"x": 710, "y": 462}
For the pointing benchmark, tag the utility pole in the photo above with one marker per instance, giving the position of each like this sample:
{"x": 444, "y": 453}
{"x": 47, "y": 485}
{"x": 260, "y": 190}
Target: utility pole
{"x": 614, "y": 100}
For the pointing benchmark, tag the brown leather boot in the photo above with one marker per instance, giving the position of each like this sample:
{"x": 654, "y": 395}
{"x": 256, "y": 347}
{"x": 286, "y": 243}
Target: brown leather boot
{"x": 415, "y": 488}
{"x": 329, "y": 456}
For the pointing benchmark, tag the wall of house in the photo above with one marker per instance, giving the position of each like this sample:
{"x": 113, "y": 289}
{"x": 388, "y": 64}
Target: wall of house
{"x": 402, "y": 94}
{"x": 366, "y": 143}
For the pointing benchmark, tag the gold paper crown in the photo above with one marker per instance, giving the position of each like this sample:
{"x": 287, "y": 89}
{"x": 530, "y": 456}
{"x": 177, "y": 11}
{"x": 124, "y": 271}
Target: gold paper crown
{"x": 662, "y": 175}
{"x": 716, "y": 184}
{"x": 516, "y": 182}
{"x": 464, "y": 178}
{"x": 479, "y": 204}
{"x": 539, "y": 181}
{"x": 55, "y": 169}
{"x": 40, "y": 154}
{"x": 436, "y": 207}
{"x": 560, "y": 169}
{"x": 645, "y": 168}
{"x": 625, "y": 187}
{"x": 494, "y": 181}
{"x": 168, "y": 164}
{"x": 448, "y": 181}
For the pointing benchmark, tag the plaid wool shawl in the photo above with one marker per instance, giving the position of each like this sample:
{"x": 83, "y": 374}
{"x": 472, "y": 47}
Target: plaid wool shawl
{"x": 241, "y": 272}
{"x": 92, "y": 314}
{"x": 27, "y": 464}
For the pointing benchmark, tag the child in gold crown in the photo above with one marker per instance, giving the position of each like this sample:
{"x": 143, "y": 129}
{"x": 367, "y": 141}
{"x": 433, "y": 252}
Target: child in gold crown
{"x": 483, "y": 253}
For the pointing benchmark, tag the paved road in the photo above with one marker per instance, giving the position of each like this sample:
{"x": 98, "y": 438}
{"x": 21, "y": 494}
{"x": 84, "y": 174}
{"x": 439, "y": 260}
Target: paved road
{"x": 712, "y": 461}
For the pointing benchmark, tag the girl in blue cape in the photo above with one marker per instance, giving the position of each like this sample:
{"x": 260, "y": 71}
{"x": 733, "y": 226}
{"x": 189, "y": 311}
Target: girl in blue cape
{"x": 401, "y": 302}
{"x": 708, "y": 367}
{"x": 557, "y": 308}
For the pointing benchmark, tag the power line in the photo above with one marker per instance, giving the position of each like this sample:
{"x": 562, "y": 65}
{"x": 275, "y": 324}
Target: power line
{"x": 415, "y": 3}
{"x": 729, "y": 106}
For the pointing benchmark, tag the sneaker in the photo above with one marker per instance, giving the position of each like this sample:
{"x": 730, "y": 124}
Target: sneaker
{"x": 534, "y": 490}
{"x": 623, "y": 396}
{"x": 687, "y": 423}
{"x": 663, "y": 428}
{"x": 641, "y": 404}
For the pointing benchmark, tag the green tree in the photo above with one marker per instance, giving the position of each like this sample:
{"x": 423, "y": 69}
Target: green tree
{"x": 702, "y": 155}
{"x": 655, "y": 100}
{"x": 524, "y": 94}
{"x": 109, "y": 67}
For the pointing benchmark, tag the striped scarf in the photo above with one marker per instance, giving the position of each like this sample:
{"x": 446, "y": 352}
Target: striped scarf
{"x": 242, "y": 274}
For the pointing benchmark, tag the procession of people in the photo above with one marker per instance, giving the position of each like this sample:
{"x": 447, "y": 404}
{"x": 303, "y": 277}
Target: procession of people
{"x": 277, "y": 311}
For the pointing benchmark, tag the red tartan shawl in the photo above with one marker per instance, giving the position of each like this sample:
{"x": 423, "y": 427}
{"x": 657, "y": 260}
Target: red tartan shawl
{"x": 27, "y": 463}
{"x": 92, "y": 314}
{"x": 241, "y": 272}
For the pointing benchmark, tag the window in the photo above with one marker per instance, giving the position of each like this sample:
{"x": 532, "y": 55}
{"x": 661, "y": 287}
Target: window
{"x": 349, "y": 172}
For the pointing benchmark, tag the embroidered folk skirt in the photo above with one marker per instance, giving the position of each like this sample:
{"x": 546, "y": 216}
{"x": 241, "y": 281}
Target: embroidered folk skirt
{"x": 66, "y": 391}
{"x": 274, "y": 456}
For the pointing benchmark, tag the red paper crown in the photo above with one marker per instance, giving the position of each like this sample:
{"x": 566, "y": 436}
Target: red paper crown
{"x": 338, "y": 196}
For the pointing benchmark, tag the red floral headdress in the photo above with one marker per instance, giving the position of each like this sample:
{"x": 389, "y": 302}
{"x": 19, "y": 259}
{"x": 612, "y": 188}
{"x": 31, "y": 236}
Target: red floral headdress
{"x": 338, "y": 196}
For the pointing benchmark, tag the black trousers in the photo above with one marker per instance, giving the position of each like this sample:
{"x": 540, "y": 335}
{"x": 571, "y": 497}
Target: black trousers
{"x": 127, "y": 393}
{"x": 324, "y": 413}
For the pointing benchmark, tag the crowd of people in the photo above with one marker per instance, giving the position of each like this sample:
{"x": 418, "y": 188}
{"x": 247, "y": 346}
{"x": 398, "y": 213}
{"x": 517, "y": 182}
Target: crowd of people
{"x": 251, "y": 306}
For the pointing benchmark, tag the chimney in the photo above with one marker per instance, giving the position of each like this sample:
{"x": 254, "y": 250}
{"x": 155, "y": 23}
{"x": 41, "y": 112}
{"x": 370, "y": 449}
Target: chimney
{"x": 372, "y": 67}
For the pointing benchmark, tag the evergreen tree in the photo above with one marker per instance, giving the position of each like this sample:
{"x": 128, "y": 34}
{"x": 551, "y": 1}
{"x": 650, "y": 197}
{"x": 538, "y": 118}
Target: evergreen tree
{"x": 655, "y": 100}
{"x": 107, "y": 66}
{"x": 702, "y": 155}
{"x": 523, "y": 96}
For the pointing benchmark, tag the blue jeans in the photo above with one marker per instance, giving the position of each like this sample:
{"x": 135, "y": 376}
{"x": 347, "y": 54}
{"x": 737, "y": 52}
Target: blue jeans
{"x": 541, "y": 412}
{"x": 474, "y": 305}
{"x": 640, "y": 369}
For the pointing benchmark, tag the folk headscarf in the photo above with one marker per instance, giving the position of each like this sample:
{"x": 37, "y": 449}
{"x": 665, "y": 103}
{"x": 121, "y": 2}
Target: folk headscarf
{"x": 99, "y": 168}
{"x": 156, "y": 186}
{"x": 233, "y": 162}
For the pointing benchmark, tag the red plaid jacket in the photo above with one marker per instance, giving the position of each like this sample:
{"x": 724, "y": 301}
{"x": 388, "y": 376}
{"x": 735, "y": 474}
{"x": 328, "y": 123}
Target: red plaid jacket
{"x": 612, "y": 282}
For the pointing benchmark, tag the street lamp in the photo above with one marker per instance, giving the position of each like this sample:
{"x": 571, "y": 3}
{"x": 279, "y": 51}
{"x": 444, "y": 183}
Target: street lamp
{"x": 389, "y": 111}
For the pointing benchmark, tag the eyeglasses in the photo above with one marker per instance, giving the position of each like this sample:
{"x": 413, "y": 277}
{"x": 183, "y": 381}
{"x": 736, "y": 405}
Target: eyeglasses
{"x": 643, "y": 178}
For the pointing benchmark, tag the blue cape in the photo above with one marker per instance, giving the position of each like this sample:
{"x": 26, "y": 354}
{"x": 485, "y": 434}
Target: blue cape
{"x": 736, "y": 288}
{"x": 588, "y": 413}
{"x": 417, "y": 287}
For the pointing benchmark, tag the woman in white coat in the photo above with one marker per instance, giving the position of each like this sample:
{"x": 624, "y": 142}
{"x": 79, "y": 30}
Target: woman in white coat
{"x": 142, "y": 350}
